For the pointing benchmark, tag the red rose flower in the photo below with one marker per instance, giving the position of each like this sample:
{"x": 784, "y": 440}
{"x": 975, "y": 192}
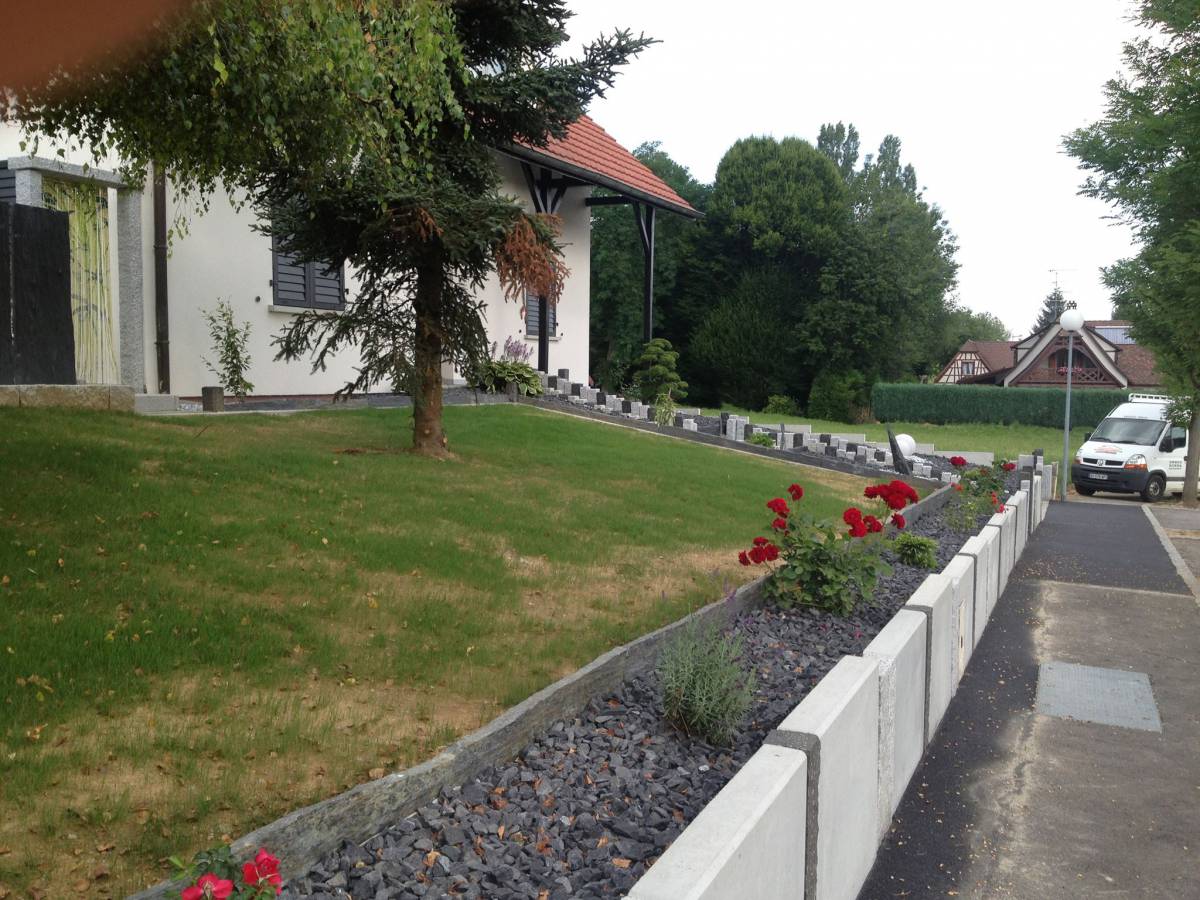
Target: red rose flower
{"x": 858, "y": 529}
{"x": 898, "y": 520}
{"x": 263, "y": 871}
{"x": 208, "y": 887}
{"x": 778, "y": 506}
{"x": 780, "y": 525}
{"x": 958, "y": 487}
{"x": 1000, "y": 508}
{"x": 1008, "y": 466}
{"x": 958, "y": 462}
{"x": 760, "y": 541}
{"x": 852, "y": 515}
{"x": 757, "y": 555}
{"x": 743, "y": 558}
{"x": 795, "y": 491}
{"x": 873, "y": 524}
{"x": 873, "y": 490}
{"x": 771, "y": 552}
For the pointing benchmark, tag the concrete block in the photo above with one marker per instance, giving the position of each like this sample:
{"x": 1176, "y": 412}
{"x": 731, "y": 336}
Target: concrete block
{"x": 899, "y": 651}
{"x": 797, "y": 429}
{"x": 69, "y": 396}
{"x": 1005, "y": 524}
{"x": 9, "y": 395}
{"x": 1020, "y": 502}
{"x": 982, "y": 549}
{"x": 120, "y": 398}
{"x": 842, "y": 714}
{"x": 961, "y": 572}
{"x": 974, "y": 457}
{"x": 934, "y": 599}
{"x": 751, "y": 834}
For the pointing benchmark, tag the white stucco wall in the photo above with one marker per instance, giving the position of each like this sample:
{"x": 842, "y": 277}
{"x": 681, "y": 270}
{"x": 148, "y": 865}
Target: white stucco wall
{"x": 221, "y": 256}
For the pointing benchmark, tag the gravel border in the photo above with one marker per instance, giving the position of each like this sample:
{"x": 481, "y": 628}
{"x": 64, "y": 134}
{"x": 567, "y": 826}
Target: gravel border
{"x": 589, "y": 805}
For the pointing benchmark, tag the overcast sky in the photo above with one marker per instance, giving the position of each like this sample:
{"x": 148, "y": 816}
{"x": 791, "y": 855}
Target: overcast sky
{"x": 979, "y": 94}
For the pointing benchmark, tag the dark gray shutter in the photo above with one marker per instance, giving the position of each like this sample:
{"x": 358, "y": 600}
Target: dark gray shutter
{"x": 8, "y": 184}
{"x": 305, "y": 284}
{"x": 533, "y": 317}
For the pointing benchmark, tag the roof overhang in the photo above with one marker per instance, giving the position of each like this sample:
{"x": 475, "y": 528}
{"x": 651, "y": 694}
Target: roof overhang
{"x": 596, "y": 179}
{"x": 1089, "y": 340}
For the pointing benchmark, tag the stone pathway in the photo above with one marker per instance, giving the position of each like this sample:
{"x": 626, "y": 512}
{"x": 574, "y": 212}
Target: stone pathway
{"x": 1026, "y": 792}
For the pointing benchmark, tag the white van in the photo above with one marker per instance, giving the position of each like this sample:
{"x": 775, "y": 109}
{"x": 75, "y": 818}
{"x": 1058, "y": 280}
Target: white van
{"x": 1135, "y": 450}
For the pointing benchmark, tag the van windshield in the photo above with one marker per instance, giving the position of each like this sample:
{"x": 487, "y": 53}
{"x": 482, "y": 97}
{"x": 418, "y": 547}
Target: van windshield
{"x": 1128, "y": 431}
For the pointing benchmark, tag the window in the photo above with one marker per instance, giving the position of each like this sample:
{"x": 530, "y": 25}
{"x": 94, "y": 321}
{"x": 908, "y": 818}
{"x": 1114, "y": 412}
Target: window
{"x": 307, "y": 285}
{"x": 532, "y": 317}
{"x": 968, "y": 367}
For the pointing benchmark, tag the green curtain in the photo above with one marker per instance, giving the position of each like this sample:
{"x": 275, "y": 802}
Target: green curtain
{"x": 91, "y": 289}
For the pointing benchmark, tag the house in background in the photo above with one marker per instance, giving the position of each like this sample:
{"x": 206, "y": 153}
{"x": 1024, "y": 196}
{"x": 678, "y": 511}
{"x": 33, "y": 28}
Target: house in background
{"x": 138, "y": 300}
{"x": 1105, "y": 356}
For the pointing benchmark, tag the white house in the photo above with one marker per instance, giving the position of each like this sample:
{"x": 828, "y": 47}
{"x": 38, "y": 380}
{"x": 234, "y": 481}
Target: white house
{"x": 138, "y": 299}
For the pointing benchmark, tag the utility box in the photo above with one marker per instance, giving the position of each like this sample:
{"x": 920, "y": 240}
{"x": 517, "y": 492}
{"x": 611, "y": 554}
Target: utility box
{"x": 37, "y": 339}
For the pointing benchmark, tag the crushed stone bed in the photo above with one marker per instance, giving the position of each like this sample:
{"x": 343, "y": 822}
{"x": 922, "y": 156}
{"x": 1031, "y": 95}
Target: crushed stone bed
{"x": 588, "y": 807}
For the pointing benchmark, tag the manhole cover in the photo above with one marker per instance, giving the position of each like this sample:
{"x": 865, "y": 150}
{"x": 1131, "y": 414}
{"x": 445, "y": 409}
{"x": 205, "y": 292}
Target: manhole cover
{"x": 1104, "y": 696}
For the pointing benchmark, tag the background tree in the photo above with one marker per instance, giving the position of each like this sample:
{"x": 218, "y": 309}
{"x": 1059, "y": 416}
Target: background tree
{"x": 1052, "y": 309}
{"x": 373, "y": 150}
{"x": 1141, "y": 158}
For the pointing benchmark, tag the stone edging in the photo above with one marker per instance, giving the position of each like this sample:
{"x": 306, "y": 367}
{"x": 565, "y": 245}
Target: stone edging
{"x": 303, "y": 837}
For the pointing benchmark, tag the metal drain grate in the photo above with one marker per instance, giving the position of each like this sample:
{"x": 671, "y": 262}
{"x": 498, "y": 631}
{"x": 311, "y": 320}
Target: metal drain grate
{"x": 1104, "y": 696}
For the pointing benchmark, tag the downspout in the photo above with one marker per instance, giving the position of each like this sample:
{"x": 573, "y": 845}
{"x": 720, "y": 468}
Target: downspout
{"x": 162, "y": 333}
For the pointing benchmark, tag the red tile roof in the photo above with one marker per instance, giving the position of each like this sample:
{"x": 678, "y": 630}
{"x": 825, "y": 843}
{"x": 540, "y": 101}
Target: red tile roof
{"x": 590, "y": 153}
{"x": 995, "y": 354}
{"x": 1138, "y": 365}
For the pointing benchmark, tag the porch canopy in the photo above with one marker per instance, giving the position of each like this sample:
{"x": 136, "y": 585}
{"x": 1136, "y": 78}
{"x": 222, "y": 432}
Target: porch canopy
{"x": 588, "y": 156}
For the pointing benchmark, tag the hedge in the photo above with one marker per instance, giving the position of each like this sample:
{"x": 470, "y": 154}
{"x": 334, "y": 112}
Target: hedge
{"x": 939, "y": 404}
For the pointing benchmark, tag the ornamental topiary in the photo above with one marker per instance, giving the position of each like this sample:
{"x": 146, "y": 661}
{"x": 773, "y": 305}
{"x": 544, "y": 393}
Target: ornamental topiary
{"x": 705, "y": 689}
{"x": 654, "y": 372}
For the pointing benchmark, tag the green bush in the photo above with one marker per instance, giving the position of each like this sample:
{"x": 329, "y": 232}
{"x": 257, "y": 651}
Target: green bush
{"x": 761, "y": 440}
{"x": 705, "y": 689}
{"x": 781, "y": 405}
{"x": 940, "y": 404}
{"x": 494, "y": 375}
{"x": 838, "y": 396}
{"x": 654, "y": 372}
{"x": 914, "y": 550}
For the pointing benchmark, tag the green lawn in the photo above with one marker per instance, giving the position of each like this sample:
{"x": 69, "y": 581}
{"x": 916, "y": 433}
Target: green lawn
{"x": 1006, "y": 441}
{"x": 210, "y": 621}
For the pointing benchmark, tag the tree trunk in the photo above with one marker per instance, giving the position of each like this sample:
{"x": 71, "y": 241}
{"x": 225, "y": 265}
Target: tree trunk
{"x": 1193, "y": 461}
{"x": 429, "y": 439}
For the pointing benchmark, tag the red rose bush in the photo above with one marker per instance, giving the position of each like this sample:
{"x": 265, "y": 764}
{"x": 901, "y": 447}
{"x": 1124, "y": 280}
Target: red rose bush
{"x": 818, "y": 563}
{"x": 216, "y": 876}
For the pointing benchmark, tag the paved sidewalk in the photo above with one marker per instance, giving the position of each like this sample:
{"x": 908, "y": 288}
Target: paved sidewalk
{"x": 1011, "y": 802}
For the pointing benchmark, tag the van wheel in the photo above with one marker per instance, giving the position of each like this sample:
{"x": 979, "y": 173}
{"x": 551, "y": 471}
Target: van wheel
{"x": 1154, "y": 489}
{"x": 1084, "y": 491}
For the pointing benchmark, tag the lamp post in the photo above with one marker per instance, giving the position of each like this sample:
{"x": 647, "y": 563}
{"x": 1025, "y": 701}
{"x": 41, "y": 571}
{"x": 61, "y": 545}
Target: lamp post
{"x": 1071, "y": 322}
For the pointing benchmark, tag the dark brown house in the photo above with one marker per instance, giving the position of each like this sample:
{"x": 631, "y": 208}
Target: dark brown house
{"x": 1105, "y": 356}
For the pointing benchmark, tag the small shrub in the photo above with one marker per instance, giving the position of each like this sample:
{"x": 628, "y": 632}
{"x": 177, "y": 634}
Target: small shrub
{"x": 838, "y": 397}
{"x": 819, "y": 564}
{"x": 781, "y": 405}
{"x": 494, "y": 375}
{"x": 229, "y": 343}
{"x": 654, "y": 372}
{"x": 705, "y": 689}
{"x": 761, "y": 440}
{"x": 977, "y": 493}
{"x": 913, "y": 550}
{"x": 664, "y": 409}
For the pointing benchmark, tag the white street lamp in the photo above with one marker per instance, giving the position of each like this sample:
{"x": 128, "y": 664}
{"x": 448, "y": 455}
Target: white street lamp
{"x": 1071, "y": 322}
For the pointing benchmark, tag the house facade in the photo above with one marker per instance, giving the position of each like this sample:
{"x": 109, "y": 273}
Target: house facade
{"x": 1104, "y": 355}
{"x": 146, "y": 266}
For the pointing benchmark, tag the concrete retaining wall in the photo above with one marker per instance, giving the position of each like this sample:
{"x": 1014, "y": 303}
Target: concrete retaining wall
{"x": 838, "y": 726}
{"x": 863, "y": 729}
{"x": 754, "y": 825}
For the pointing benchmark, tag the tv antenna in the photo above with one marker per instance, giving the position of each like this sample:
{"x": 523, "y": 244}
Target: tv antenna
{"x": 1055, "y": 273}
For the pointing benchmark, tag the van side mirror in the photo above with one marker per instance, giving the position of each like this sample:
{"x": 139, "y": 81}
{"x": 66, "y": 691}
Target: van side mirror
{"x": 1167, "y": 445}
{"x": 1087, "y": 435}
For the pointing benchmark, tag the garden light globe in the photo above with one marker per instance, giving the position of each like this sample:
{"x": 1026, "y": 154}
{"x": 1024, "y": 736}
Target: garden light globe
{"x": 1071, "y": 320}
{"x": 907, "y": 445}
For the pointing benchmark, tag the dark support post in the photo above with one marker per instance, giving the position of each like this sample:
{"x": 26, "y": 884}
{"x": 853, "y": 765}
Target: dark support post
{"x": 543, "y": 335}
{"x": 644, "y": 213}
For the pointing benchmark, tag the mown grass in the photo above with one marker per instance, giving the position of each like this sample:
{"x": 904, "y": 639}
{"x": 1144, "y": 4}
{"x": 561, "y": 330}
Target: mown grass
{"x": 1006, "y": 441}
{"x": 207, "y": 622}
